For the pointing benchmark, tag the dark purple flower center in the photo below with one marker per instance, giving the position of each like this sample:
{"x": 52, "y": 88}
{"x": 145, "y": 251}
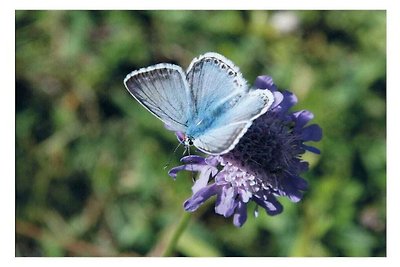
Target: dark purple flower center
{"x": 268, "y": 148}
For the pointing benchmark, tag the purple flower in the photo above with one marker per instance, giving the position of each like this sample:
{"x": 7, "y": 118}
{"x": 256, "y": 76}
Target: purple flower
{"x": 266, "y": 162}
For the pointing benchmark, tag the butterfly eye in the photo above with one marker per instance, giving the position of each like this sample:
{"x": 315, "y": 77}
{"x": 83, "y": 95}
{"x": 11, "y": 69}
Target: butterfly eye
{"x": 190, "y": 142}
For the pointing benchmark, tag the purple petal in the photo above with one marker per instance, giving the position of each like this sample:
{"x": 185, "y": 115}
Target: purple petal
{"x": 200, "y": 197}
{"x": 300, "y": 165}
{"x": 245, "y": 195}
{"x": 278, "y": 98}
{"x": 204, "y": 178}
{"x": 194, "y": 159}
{"x": 187, "y": 167}
{"x": 312, "y": 133}
{"x": 240, "y": 216}
{"x": 294, "y": 195}
{"x": 220, "y": 178}
{"x": 299, "y": 182}
{"x": 302, "y": 117}
{"x": 270, "y": 204}
{"x": 303, "y": 166}
{"x": 311, "y": 149}
{"x": 265, "y": 82}
{"x": 289, "y": 189}
{"x": 174, "y": 171}
{"x": 212, "y": 160}
{"x": 289, "y": 100}
{"x": 226, "y": 201}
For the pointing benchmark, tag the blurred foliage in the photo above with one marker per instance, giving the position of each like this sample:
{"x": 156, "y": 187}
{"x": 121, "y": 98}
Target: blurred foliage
{"x": 89, "y": 159}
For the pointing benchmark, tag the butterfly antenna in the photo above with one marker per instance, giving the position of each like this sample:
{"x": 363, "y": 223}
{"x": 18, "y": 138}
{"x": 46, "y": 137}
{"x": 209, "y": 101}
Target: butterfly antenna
{"x": 170, "y": 156}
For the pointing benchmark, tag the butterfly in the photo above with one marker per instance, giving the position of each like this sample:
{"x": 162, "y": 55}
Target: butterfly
{"x": 210, "y": 103}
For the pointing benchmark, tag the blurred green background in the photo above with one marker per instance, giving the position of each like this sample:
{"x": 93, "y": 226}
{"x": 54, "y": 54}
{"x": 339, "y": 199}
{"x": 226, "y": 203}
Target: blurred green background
{"x": 89, "y": 159}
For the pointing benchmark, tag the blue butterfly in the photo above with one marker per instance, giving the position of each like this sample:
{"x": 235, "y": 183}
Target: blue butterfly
{"x": 210, "y": 103}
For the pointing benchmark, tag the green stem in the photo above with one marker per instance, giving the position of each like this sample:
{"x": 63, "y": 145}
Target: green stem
{"x": 169, "y": 249}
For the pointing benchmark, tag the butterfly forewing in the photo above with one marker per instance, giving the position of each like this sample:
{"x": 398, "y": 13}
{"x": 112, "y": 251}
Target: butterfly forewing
{"x": 164, "y": 91}
{"x": 220, "y": 94}
{"x": 212, "y": 78}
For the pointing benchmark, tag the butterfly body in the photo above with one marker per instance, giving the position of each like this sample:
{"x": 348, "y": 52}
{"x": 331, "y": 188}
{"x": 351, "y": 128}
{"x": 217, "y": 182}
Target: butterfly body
{"x": 210, "y": 103}
{"x": 205, "y": 121}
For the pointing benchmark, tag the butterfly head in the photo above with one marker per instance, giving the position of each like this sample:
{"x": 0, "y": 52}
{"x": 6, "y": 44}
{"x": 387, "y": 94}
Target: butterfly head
{"x": 188, "y": 141}
{"x": 185, "y": 139}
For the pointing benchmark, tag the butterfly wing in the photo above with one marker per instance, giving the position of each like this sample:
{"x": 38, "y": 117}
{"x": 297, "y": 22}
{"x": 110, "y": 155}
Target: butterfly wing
{"x": 219, "y": 140}
{"x": 219, "y": 92}
{"x": 212, "y": 78}
{"x": 163, "y": 90}
{"x": 234, "y": 121}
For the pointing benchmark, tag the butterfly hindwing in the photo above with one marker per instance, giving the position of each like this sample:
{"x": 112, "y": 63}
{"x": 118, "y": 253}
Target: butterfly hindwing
{"x": 233, "y": 123}
{"x": 219, "y": 140}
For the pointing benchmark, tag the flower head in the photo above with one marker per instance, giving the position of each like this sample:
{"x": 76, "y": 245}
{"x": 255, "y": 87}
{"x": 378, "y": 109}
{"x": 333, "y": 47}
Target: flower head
{"x": 264, "y": 164}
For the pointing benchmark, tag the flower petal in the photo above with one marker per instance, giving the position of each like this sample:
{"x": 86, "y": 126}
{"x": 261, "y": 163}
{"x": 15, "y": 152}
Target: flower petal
{"x": 188, "y": 167}
{"x": 289, "y": 100}
{"x": 299, "y": 182}
{"x": 200, "y": 197}
{"x": 194, "y": 159}
{"x": 245, "y": 195}
{"x": 240, "y": 216}
{"x": 213, "y": 160}
{"x": 302, "y": 117}
{"x": 278, "y": 98}
{"x": 312, "y": 133}
{"x": 302, "y": 165}
{"x": 174, "y": 171}
{"x": 204, "y": 177}
{"x": 289, "y": 189}
{"x": 269, "y": 203}
{"x": 226, "y": 201}
{"x": 311, "y": 149}
{"x": 220, "y": 177}
{"x": 265, "y": 82}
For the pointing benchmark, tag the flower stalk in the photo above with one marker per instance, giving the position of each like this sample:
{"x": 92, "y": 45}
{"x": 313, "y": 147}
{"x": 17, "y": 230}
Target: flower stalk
{"x": 179, "y": 230}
